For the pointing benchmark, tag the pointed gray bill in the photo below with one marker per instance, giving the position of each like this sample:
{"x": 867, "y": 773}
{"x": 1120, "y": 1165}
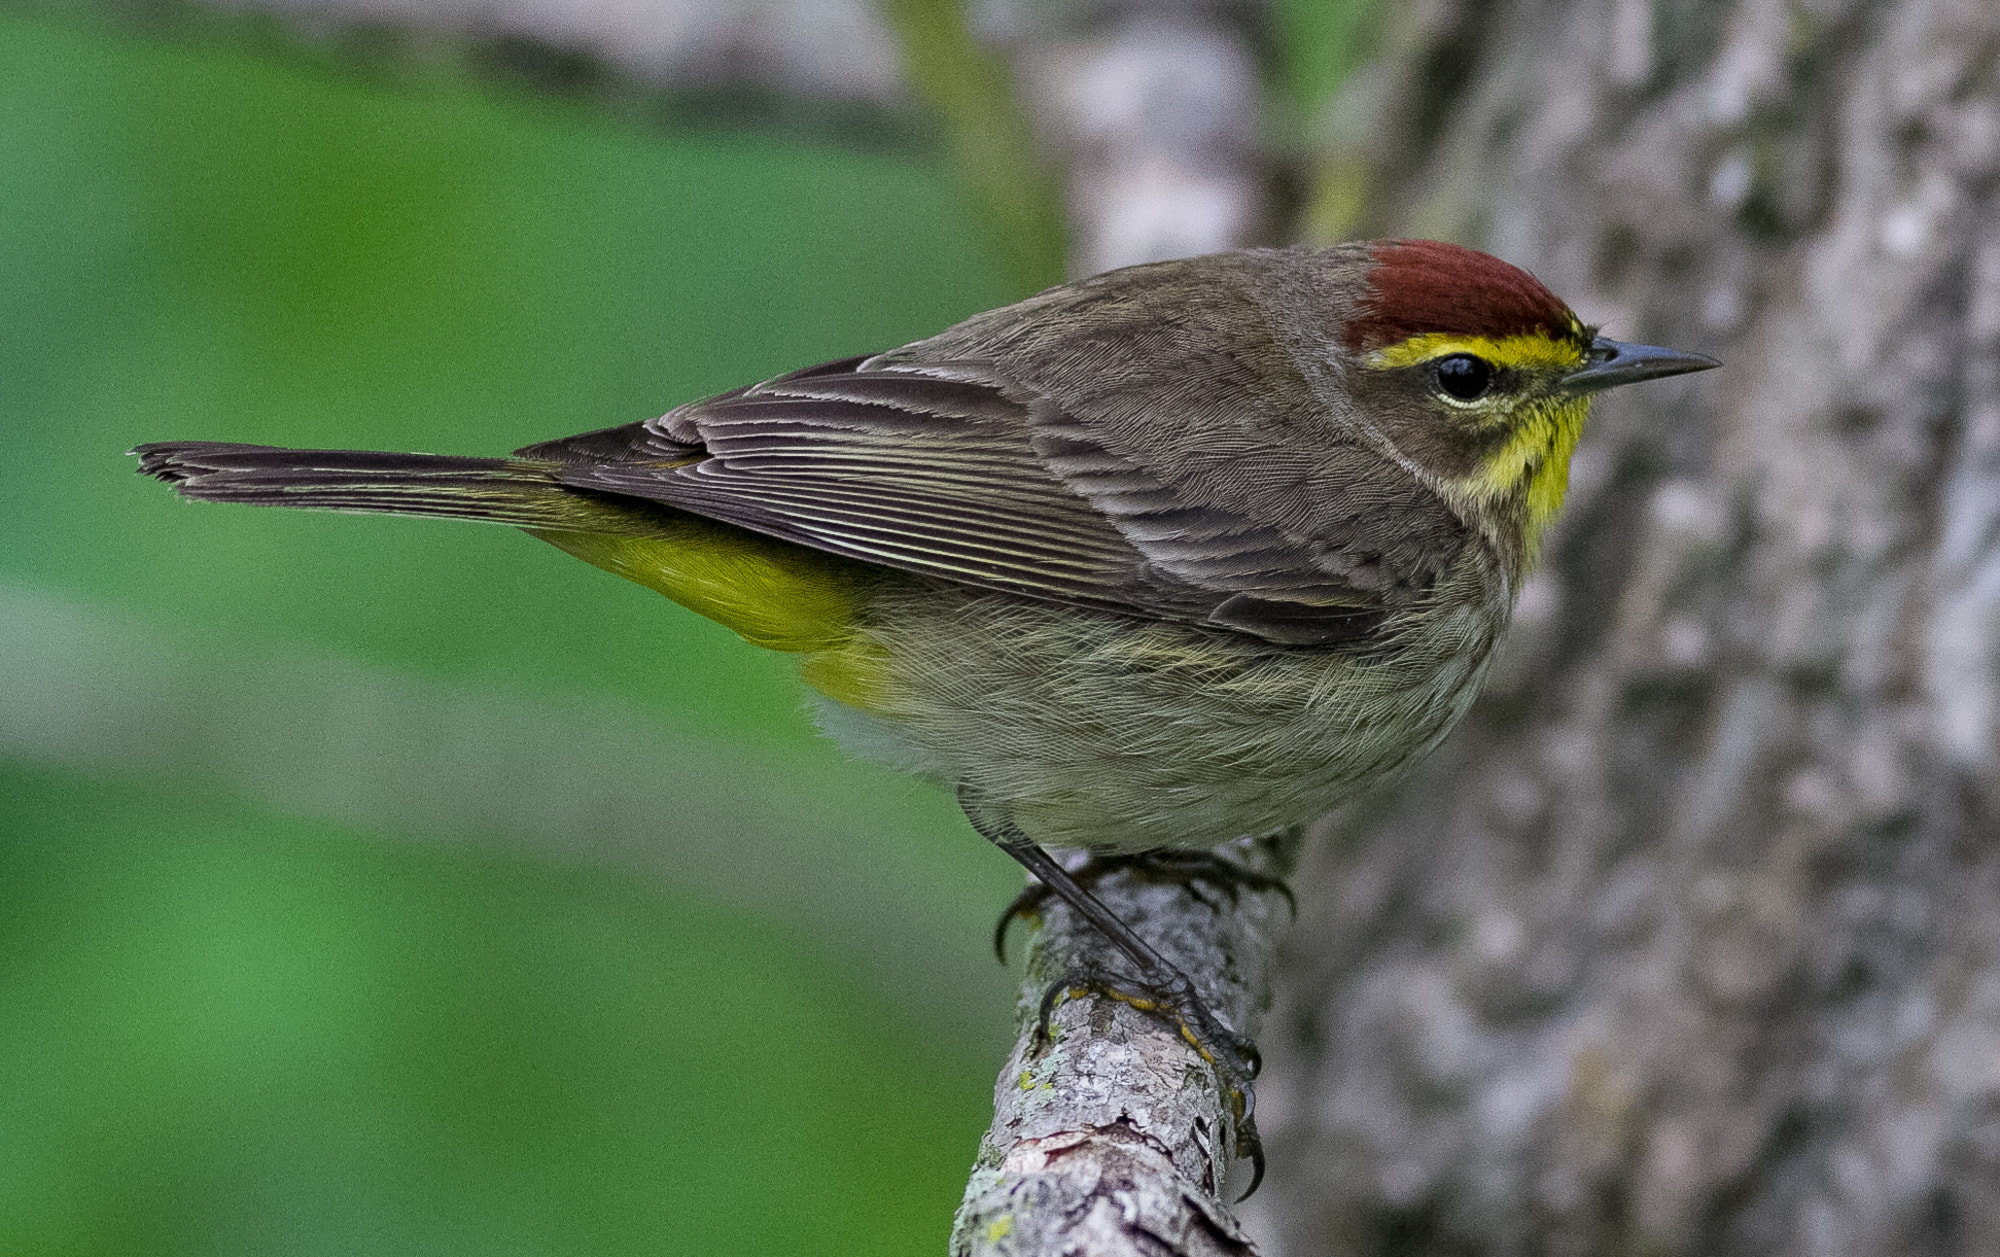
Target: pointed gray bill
{"x": 1613, "y": 362}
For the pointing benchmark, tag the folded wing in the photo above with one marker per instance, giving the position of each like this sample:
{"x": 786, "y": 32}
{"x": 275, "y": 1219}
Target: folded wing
{"x": 944, "y": 471}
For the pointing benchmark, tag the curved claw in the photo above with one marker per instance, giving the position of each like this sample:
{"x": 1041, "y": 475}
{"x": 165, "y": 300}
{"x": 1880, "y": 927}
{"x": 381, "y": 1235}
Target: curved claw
{"x": 1283, "y": 887}
{"x": 1248, "y": 1142}
{"x": 1242, "y": 1104}
{"x": 1188, "y": 867}
{"x": 1052, "y": 994}
{"x": 1022, "y": 906}
{"x": 1235, "y": 1059}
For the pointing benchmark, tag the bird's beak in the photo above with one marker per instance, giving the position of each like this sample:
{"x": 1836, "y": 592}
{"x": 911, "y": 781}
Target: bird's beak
{"x": 1609, "y": 363}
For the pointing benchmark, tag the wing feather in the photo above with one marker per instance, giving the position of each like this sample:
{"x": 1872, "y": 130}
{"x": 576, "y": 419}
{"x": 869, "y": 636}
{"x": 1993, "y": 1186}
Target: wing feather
{"x": 947, "y": 471}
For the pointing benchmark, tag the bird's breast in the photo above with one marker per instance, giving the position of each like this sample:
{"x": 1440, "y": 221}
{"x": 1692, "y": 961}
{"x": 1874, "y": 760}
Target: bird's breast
{"x": 1108, "y": 731}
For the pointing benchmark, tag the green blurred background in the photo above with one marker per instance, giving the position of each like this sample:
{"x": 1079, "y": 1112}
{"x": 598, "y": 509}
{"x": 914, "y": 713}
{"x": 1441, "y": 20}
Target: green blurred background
{"x": 381, "y": 886}
{"x": 378, "y": 886}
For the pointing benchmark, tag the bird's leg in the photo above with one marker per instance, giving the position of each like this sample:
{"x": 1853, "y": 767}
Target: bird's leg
{"x": 1159, "y": 987}
{"x": 1163, "y": 866}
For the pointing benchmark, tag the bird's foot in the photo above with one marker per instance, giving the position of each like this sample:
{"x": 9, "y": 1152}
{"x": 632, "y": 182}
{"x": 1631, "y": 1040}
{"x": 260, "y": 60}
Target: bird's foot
{"x": 1171, "y": 998}
{"x": 1191, "y": 868}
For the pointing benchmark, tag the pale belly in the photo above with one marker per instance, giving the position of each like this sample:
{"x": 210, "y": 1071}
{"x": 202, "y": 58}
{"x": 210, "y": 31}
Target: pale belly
{"x": 1103, "y": 731}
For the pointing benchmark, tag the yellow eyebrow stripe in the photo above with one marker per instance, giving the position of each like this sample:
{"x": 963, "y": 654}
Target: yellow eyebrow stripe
{"x": 1532, "y": 351}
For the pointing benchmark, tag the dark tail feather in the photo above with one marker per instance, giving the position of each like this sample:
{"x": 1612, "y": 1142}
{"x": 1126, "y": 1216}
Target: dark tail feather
{"x": 496, "y": 490}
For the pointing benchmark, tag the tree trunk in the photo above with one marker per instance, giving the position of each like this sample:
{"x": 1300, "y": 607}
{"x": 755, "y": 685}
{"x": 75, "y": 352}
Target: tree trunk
{"x": 1689, "y": 940}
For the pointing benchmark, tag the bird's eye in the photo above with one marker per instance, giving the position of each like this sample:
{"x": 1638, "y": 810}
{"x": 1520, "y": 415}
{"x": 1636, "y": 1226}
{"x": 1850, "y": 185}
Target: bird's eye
{"x": 1463, "y": 377}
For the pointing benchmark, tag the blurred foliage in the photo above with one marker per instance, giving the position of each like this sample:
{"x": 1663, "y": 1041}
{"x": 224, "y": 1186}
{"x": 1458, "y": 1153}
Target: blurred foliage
{"x": 991, "y": 140}
{"x": 1321, "y": 43}
{"x": 235, "y": 1032}
{"x": 233, "y": 1028}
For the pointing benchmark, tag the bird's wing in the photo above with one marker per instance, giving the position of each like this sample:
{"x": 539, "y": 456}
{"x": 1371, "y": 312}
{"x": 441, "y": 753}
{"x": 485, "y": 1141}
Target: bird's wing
{"x": 942, "y": 470}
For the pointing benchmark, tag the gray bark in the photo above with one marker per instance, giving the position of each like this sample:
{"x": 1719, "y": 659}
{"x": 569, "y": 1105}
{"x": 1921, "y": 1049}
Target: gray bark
{"x": 1110, "y": 1138}
{"x": 1689, "y": 940}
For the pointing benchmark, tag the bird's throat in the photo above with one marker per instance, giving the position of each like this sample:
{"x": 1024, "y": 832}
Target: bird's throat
{"x": 1528, "y": 476}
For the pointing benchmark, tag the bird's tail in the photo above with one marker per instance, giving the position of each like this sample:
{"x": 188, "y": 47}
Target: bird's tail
{"x": 521, "y": 492}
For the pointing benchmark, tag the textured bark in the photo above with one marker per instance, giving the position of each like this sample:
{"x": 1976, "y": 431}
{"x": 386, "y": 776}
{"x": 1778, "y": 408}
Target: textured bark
{"x": 1110, "y": 1139}
{"x": 1689, "y": 940}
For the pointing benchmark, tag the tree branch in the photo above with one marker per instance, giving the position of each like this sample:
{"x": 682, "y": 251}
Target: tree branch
{"x": 1111, "y": 1138}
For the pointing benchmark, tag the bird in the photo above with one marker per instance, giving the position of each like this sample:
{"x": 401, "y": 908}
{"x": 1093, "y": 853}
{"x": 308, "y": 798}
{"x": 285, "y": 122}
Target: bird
{"x": 1173, "y": 554}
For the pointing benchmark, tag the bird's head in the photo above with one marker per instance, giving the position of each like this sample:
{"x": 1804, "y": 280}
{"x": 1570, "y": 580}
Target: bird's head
{"x": 1479, "y": 379}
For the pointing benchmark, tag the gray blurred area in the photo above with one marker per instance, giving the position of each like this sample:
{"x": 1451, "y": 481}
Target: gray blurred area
{"x": 1153, "y": 113}
{"x": 837, "y": 49}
